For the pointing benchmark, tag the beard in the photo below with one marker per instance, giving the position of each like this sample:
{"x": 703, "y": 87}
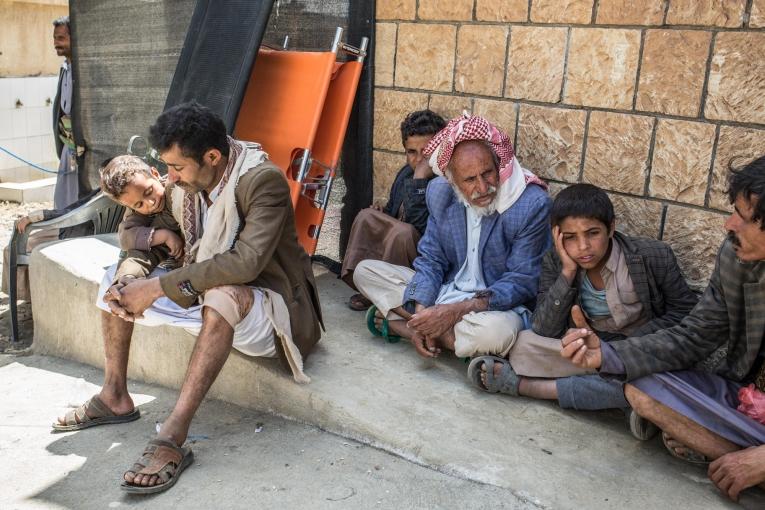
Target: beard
{"x": 486, "y": 210}
{"x": 188, "y": 188}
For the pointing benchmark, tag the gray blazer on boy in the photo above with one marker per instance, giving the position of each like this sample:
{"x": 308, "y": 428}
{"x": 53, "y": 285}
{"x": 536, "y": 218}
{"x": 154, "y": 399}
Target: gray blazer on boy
{"x": 654, "y": 272}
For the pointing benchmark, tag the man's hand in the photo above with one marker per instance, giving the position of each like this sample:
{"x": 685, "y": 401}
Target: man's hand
{"x": 423, "y": 170}
{"x": 112, "y": 300}
{"x": 137, "y": 296}
{"x": 425, "y": 346}
{"x": 112, "y": 296}
{"x": 569, "y": 265}
{"x": 580, "y": 344}
{"x": 736, "y": 471}
{"x": 22, "y": 224}
{"x": 436, "y": 320}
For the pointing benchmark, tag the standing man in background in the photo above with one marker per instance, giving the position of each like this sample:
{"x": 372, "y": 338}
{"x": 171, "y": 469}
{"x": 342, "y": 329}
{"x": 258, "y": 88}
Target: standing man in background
{"x": 67, "y": 188}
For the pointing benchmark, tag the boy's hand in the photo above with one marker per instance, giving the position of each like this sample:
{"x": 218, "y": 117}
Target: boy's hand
{"x": 170, "y": 239}
{"x": 580, "y": 344}
{"x": 175, "y": 243}
{"x": 569, "y": 265}
{"x": 423, "y": 170}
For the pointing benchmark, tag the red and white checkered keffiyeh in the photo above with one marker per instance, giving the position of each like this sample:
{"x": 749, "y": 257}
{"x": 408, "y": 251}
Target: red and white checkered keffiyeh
{"x": 469, "y": 127}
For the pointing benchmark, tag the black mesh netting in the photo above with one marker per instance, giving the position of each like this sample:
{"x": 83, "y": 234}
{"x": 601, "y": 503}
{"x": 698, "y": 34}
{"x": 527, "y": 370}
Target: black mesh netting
{"x": 126, "y": 53}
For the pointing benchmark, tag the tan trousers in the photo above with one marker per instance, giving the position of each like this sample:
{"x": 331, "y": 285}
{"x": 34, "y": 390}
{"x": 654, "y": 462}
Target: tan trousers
{"x": 478, "y": 333}
{"x": 533, "y": 355}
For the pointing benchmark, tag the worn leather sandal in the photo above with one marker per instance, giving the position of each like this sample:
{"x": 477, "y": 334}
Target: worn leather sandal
{"x": 506, "y": 382}
{"x": 161, "y": 458}
{"x": 691, "y": 456}
{"x": 359, "y": 303}
{"x": 78, "y": 419}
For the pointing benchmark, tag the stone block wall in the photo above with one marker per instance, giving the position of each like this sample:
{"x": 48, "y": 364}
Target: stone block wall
{"x": 649, "y": 99}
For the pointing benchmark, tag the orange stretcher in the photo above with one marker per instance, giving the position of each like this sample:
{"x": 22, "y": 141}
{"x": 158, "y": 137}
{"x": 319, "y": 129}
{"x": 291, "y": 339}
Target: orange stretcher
{"x": 297, "y": 105}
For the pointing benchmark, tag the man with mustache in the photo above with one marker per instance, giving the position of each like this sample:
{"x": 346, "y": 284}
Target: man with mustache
{"x": 67, "y": 186}
{"x": 480, "y": 257}
{"x": 244, "y": 282}
{"x": 701, "y": 413}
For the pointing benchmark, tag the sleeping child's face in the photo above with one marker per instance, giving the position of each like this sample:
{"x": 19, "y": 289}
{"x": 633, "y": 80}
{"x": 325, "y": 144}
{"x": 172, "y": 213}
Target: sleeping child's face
{"x": 586, "y": 240}
{"x": 145, "y": 194}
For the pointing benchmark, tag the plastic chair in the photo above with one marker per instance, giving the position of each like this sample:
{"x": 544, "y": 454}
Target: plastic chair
{"x": 102, "y": 211}
{"x": 297, "y": 105}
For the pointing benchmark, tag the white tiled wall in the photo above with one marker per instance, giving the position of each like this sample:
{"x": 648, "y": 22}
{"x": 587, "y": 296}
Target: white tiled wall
{"x": 27, "y": 129}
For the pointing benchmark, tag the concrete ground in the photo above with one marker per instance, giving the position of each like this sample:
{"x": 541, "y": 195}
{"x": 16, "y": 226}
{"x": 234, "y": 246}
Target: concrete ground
{"x": 244, "y": 459}
{"x": 380, "y": 394}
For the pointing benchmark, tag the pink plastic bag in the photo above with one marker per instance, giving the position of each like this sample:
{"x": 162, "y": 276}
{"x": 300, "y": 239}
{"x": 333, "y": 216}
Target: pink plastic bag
{"x": 752, "y": 403}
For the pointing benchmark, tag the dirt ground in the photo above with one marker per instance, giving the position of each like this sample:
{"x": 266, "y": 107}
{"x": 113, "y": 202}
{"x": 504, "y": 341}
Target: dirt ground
{"x": 9, "y": 213}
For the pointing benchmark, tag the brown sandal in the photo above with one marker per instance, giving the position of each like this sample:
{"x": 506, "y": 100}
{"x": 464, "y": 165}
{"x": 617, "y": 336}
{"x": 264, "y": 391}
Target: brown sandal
{"x": 691, "y": 456}
{"x": 161, "y": 458}
{"x": 359, "y": 303}
{"x": 78, "y": 419}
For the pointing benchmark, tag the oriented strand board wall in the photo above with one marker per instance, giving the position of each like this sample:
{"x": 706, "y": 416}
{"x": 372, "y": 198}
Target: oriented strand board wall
{"x": 649, "y": 99}
{"x": 26, "y": 37}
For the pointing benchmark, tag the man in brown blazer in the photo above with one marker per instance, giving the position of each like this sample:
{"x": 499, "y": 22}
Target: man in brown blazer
{"x": 699, "y": 410}
{"x": 241, "y": 260}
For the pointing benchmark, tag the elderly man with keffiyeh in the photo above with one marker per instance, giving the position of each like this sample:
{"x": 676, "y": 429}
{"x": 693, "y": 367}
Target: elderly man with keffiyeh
{"x": 479, "y": 260}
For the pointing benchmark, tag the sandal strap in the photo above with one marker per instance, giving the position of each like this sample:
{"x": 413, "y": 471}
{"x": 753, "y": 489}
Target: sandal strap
{"x": 97, "y": 407}
{"x": 79, "y": 414}
{"x": 690, "y": 455}
{"x": 506, "y": 381}
{"x": 160, "y": 458}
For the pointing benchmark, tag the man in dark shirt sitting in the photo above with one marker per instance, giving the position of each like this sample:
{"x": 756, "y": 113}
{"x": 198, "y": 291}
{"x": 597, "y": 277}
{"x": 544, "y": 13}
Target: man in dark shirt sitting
{"x": 390, "y": 233}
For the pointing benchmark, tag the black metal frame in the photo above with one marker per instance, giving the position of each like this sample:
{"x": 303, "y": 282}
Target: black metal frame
{"x": 357, "y": 150}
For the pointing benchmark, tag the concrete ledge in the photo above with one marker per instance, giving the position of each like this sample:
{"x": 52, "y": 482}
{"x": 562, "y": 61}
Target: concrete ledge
{"x": 383, "y": 394}
{"x": 40, "y": 190}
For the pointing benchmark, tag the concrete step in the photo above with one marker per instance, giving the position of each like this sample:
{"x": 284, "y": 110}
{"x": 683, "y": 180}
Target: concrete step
{"x": 40, "y": 190}
{"x": 386, "y": 396}
{"x": 27, "y": 173}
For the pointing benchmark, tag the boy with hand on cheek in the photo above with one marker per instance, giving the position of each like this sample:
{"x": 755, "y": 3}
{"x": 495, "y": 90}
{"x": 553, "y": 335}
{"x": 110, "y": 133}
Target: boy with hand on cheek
{"x": 596, "y": 278}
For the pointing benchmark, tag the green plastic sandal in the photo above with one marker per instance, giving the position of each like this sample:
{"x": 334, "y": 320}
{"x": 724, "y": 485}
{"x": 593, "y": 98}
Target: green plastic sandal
{"x": 371, "y": 313}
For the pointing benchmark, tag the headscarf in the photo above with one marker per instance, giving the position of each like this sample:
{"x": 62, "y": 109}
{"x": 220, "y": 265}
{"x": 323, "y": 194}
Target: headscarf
{"x": 512, "y": 177}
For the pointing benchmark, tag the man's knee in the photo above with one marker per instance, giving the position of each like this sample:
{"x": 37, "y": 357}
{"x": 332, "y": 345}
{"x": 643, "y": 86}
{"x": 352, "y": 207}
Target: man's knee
{"x": 638, "y": 400}
{"x": 487, "y": 333}
{"x": 362, "y": 272}
{"x": 230, "y": 303}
